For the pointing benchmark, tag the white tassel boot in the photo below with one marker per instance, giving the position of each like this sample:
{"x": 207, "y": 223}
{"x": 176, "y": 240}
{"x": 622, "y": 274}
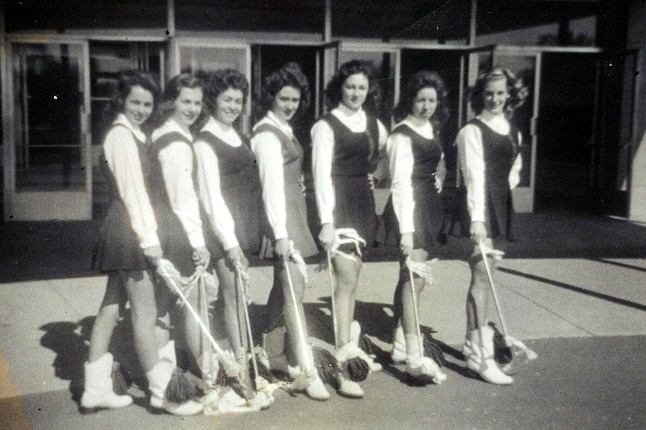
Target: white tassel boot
{"x": 98, "y": 391}
{"x": 479, "y": 353}
{"x": 420, "y": 367}
{"x": 158, "y": 379}
{"x": 398, "y": 353}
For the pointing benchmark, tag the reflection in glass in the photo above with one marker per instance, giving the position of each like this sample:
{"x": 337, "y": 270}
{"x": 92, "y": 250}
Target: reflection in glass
{"x": 48, "y": 99}
{"x": 525, "y": 70}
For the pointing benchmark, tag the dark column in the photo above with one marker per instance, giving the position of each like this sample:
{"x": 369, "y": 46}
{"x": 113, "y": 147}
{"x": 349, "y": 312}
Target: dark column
{"x": 612, "y": 38}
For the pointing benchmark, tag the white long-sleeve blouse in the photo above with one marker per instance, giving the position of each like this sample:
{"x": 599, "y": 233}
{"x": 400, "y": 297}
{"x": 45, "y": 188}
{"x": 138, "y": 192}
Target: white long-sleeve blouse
{"x": 471, "y": 159}
{"x": 176, "y": 161}
{"x": 122, "y": 155}
{"x": 323, "y": 155}
{"x": 208, "y": 183}
{"x": 269, "y": 156}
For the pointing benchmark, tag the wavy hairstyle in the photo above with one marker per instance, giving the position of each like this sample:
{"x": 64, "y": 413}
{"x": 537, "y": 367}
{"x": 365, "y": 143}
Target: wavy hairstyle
{"x": 518, "y": 92}
{"x": 171, "y": 92}
{"x": 417, "y": 82}
{"x": 135, "y": 78}
{"x": 220, "y": 81}
{"x": 333, "y": 91}
{"x": 290, "y": 75}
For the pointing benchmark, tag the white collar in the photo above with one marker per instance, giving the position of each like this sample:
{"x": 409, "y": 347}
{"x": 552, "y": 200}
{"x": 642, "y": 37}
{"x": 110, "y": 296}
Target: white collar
{"x": 497, "y": 123}
{"x": 348, "y": 113}
{"x": 425, "y": 130}
{"x": 171, "y": 126}
{"x": 226, "y": 134}
{"x": 123, "y": 120}
{"x": 272, "y": 119}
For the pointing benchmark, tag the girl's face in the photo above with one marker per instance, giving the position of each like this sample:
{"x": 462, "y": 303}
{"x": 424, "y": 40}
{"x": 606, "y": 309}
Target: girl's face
{"x": 425, "y": 103}
{"x": 138, "y": 106}
{"x": 354, "y": 91}
{"x": 228, "y": 105}
{"x": 286, "y": 103}
{"x": 188, "y": 106}
{"x": 495, "y": 95}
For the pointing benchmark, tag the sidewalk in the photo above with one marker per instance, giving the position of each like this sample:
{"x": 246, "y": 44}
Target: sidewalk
{"x": 572, "y": 287}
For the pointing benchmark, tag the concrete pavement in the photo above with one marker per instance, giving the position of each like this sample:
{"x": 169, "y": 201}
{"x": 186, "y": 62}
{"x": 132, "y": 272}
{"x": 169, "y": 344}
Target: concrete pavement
{"x": 576, "y": 298}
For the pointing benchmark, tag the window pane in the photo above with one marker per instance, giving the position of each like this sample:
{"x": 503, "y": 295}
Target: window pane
{"x": 532, "y": 22}
{"x": 233, "y": 15}
{"x": 48, "y": 99}
{"x": 193, "y": 58}
{"x": 438, "y": 20}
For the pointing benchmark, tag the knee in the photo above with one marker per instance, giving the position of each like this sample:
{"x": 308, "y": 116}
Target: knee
{"x": 419, "y": 285}
{"x": 144, "y": 320}
{"x": 109, "y": 314}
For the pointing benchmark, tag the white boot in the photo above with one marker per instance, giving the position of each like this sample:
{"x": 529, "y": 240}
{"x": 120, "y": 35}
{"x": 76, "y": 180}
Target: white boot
{"x": 158, "y": 379}
{"x": 479, "y": 354}
{"x": 398, "y": 353}
{"x": 420, "y": 367}
{"x": 98, "y": 391}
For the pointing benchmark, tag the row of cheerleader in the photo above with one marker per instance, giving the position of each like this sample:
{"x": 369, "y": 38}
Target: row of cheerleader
{"x": 191, "y": 198}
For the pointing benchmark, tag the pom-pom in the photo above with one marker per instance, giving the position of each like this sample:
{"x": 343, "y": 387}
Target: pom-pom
{"x": 502, "y": 351}
{"x": 119, "y": 383}
{"x": 179, "y": 389}
{"x": 326, "y": 364}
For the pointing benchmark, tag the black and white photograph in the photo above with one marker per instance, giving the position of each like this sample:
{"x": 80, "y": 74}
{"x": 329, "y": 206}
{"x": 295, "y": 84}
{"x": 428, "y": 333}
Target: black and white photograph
{"x": 323, "y": 214}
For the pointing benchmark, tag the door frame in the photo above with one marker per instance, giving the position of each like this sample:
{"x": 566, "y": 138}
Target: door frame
{"x": 24, "y": 207}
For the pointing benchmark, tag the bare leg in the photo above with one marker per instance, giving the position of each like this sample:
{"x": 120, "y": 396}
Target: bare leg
{"x": 141, "y": 293}
{"x": 408, "y": 311}
{"x": 233, "y": 305}
{"x": 114, "y": 300}
{"x": 478, "y": 295}
{"x": 347, "y": 278}
{"x": 291, "y": 312}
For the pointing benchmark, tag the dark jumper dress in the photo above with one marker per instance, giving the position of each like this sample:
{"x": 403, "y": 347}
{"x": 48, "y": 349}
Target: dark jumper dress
{"x": 295, "y": 206}
{"x": 174, "y": 240}
{"x": 428, "y": 213}
{"x": 118, "y": 247}
{"x": 355, "y": 157}
{"x": 500, "y": 152}
{"x": 240, "y": 187}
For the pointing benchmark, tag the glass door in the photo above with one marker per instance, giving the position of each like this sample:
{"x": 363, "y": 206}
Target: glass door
{"x": 48, "y": 168}
{"x": 526, "y": 66}
{"x": 193, "y": 55}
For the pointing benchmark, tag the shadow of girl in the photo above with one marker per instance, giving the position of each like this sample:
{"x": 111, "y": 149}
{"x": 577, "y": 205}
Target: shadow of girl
{"x": 70, "y": 341}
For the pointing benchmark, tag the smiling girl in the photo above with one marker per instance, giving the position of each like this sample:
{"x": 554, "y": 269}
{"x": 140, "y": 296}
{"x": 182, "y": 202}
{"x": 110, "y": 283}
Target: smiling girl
{"x": 417, "y": 172}
{"x": 178, "y": 210}
{"x": 346, "y": 145}
{"x": 285, "y": 93}
{"x": 490, "y": 165}
{"x": 128, "y": 246}
{"x": 229, "y": 189}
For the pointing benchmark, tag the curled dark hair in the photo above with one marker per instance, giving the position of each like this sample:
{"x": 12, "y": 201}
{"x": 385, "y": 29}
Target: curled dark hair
{"x": 220, "y": 81}
{"x": 172, "y": 91}
{"x": 333, "y": 91}
{"x": 290, "y": 75}
{"x": 517, "y": 91}
{"x": 134, "y": 78}
{"x": 417, "y": 82}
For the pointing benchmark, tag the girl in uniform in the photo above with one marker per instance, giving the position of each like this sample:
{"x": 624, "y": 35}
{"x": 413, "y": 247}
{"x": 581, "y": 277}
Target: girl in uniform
{"x": 229, "y": 188}
{"x": 346, "y": 145}
{"x": 128, "y": 246}
{"x": 178, "y": 213}
{"x": 490, "y": 165}
{"x": 417, "y": 172}
{"x": 285, "y": 94}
